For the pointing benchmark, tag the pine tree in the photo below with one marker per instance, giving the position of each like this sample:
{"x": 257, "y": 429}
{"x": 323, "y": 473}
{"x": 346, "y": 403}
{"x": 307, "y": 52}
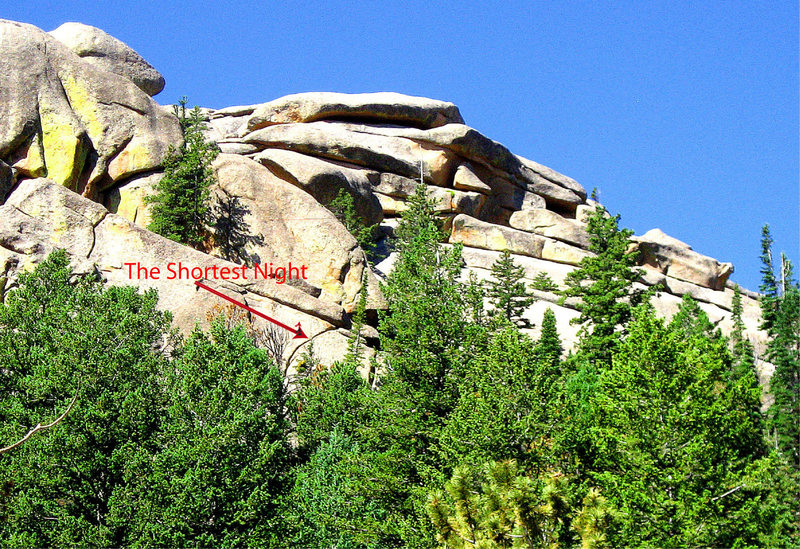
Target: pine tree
{"x": 677, "y": 445}
{"x": 425, "y": 337}
{"x": 770, "y": 294}
{"x": 549, "y": 348}
{"x": 544, "y": 283}
{"x": 343, "y": 207}
{"x": 423, "y": 329}
{"x": 604, "y": 284}
{"x": 507, "y": 292}
{"x": 741, "y": 349}
{"x": 783, "y": 351}
{"x": 499, "y": 506}
{"x": 180, "y": 204}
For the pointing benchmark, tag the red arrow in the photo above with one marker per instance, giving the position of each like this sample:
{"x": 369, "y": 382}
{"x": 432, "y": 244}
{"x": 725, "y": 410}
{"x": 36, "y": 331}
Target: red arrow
{"x": 298, "y": 333}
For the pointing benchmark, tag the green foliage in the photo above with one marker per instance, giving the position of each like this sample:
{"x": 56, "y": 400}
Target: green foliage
{"x": 507, "y": 292}
{"x": 328, "y": 401}
{"x": 59, "y": 341}
{"x": 424, "y": 328}
{"x": 499, "y": 506}
{"x": 544, "y": 283}
{"x": 744, "y": 363}
{"x": 224, "y": 453}
{"x": 343, "y": 207}
{"x": 604, "y": 284}
{"x": 780, "y": 313}
{"x": 783, "y": 351}
{"x": 548, "y": 349}
{"x": 328, "y": 504}
{"x": 426, "y": 336}
{"x": 677, "y": 442}
{"x": 180, "y": 204}
{"x": 769, "y": 285}
{"x": 504, "y": 406}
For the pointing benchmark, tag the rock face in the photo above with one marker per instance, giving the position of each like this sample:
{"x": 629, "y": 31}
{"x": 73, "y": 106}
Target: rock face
{"x": 109, "y": 54}
{"x": 277, "y": 222}
{"x": 41, "y": 216}
{"x": 75, "y": 108}
{"x": 677, "y": 260}
{"x": 63, "y": 118}
{"x": 386, "y": 107}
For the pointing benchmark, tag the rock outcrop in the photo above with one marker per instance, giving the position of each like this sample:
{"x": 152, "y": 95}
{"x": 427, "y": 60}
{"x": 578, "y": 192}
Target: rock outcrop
{"x": 75, "y": 108}
{"x": 105, "y": 52}
{"x": 63, "y": 118}
{"x": 41, "y": 216}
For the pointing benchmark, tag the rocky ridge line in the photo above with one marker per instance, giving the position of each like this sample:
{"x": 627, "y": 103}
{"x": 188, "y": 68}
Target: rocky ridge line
{"x": 81, "y": 116}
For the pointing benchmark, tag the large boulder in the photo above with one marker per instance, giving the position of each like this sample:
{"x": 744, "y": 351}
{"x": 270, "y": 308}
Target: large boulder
{"x": 105, "y": 52}
{"x": 676, "y": 259}
{"x": 81, "y": 126}
{"x": 276, "y": 222}
{"x": 386, "y": 107}
{"x": 559, "y": 190}
{"x": 472, "y": 232}
{"x": 548, "y": 223}
{"x": 323, "y": 180}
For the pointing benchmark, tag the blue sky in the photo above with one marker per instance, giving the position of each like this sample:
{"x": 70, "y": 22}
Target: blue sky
{"x": 685, "y": 117}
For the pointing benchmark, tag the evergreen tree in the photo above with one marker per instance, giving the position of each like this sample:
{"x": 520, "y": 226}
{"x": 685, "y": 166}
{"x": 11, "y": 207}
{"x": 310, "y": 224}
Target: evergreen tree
{"x": 343, "y": 207}
{"x": 604, "y": 284}
{"x": 67, "y": 339}
{"x": 222, "y": 468}
{"x": 424, "y": 327}
{"x": 544, "y": 283}
{"x": 499, "y": 506}
{"x": 677, "y": 443}
{"x": 507, "y": 292}
{"x": 328, "y": 506}
{"x": 770, "y": 294}
{"x": 504, "y": 407}
{"x": 783, "y": 351}
{"x": 426, "y": 335}
{"x": 548, "y": 348}
{"x": 180, "y": 204}
{"x": 742, "y": 350}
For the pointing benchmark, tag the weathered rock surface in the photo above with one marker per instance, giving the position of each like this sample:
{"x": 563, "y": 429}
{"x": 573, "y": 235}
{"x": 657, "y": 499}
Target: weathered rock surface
{"x": 472, "y": 232}
{"x": 128, "y": 198}
{"x": 476, "y": 147}
{"x": 548, "y": 223}
{"x": 677, "y": 259}
{"x": 446, "y": 202}
{"x": 74, "y": 107}
{"x": 324, "y": 179}
{"x": 387, "y": 107}
{"x": 382, "y": 153}
{"x": 105, "y": 52}
{"x": 278, "y": 222}
{"x": 81, "y": 126}
{"x": 41, "y": 216}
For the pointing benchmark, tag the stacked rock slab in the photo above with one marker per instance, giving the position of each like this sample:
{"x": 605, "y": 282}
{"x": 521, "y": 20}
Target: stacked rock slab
{"x": 493, "y": 199}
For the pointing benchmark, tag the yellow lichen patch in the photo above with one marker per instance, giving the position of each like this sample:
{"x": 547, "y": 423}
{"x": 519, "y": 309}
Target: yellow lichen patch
{"x": 63, "y": 153}
{"x": 31, "y": 159}
{"x": 334, "y": 289}
{"x": 133, "y": 159}
{"x": 85, "y": 107}
{"x": 496, "y": 241}
{"x": 131, "y": 206}
{"x": 59, "y": 224}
